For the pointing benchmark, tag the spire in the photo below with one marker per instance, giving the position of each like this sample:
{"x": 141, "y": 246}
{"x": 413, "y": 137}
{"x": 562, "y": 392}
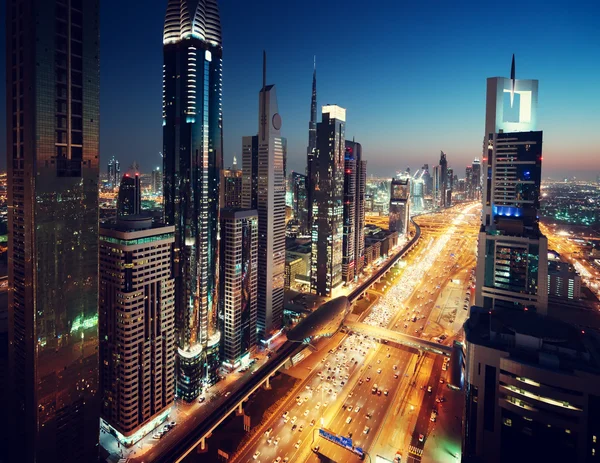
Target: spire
{"x": 512, "y": 79}
{"x": 313, "y": 103}
{"x": 263, "y": 115}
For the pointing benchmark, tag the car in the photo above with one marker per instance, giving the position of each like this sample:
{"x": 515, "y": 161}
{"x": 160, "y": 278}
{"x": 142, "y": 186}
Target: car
{"x": 395, "y": 367}
{"x": 368, "y": 379}
{"x": 294, "y": 427}
{"x": 228, "y": 393}
{"x": 316, "y": 449}
{"x": 276, "y": 442}
{"x": 325, "y": 404}
{"x": 294, "y": 419}
{"x": 297, "y": 444}
{"x": 202, "y": 399}
{"x": 305, "y": 412}
{"x": 277, "y": 460}
{"x": 378, "y": 391}
{"x": 366, "y": 430}
{"x": 356, "y": 409}
{"x": 378, "y": 360}
{"x": 379, "y": 370}
{"x": 441, "y": 380}
{"x": 318, "y": 405}
{"x": 433, "y": 417}
{"x": 421, "y": 437}
{"x": 386, "y": 392}
{"x": 268, "y": 432}
{"x": 256, "y": 455}
{"x": 349, "y": 420}
{"x": 301, "y": 428}
{"x": 157, "y": 436}
{"x": 349, "y": 408}
{"x": 395, "y": 375}
{"x": 429, "y": 389}
{"x": 286, "y": 414}
{"x": 360, "y": 382}
{"x": 269, "y": 440}
{"x": 312, "y": 422}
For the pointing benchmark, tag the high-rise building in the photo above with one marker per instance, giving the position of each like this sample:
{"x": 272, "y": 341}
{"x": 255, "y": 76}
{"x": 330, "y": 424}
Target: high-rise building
{"x": 239, "y": 269}
{"x": 327, "y": 202}
{"x": 470, "y": 193}
{"x": 400, "y": 205}
{"x": 157, "y": 182}
{"x": 300, "y": 201}
{"x": 263, "y": 157}
{"x": 312, "y": 145}
{"x": 137, "y": 326}
{"x": 129, "y": 201}
{"x": 436, "y": 187}
{"x": 443, "y": 179}
{"x": 192, "y": 162}
{"x": 349, "y": 220}
{"x": 476, "y": 179}
{"x": 231, "y": 186}
{"x": 354, "y": 150}
{"x": 52, "y": 96}
{"x": 114, "y": 173}
{"x": 450, "y": 186}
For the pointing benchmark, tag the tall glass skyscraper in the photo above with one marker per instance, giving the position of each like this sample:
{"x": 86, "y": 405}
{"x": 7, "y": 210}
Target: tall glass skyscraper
{"x": 52, "y": 156}
{"x": 192, "y": 154}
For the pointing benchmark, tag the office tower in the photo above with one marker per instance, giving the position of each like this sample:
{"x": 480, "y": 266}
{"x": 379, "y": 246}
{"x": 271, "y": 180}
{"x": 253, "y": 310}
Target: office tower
{"x": 129, "y": 201}
{"x": 52, "y": 158}
{"x": 443, "y": 179}
{"x": 192, "y": 161}
{"x": 234, "y": 165}
{"x": 469, "y": 182}
{"x": 328, "y": 197}
{"x": 349, "y": 218}
{"x": 239, "y": 269}
{"x": 312, "y": 146}
{"x": 264, "y": 190}
{"x": 563, "y": 281}
{"x": 231, "y": 186}
{"x": 512, "y": 268}
{"x": 417, "y": 191}
{"x": 250, "y": 172}
{"x": 400, "y": 205}
{"x": 354, "y": 150}
{"x": 449, "y": 186}
{"x": 114, "y": 173}
{"x": 157, "y": 183}
{"x": 476, "y": 182}
{"x": 300, "y": 201}
{"x": 136, "y": 326}
{"x": 436, "y": 184}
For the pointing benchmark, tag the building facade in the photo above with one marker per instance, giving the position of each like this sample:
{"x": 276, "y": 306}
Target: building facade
{"x": 136, "y": 326}
{"x": 113, "y": 173}
{"x": 192, "y": 162}
{"x": 300, "y": 201}
{"x": 354, "y": 154}
{"x": 400, "y": 205}
{"x": 231, "y": 185}
{"x": 563, "y": 281}
{"x": 157, "y": 182}
{"x": 327, "y": 206}
{"x": 129, "y": 200}
{"x": 52, "y": 102}
{"x": 349, "y": 221}
{"x": 250, "y": 172}
{"x": 312, "y": 147}
{"x": 239, "y": 270}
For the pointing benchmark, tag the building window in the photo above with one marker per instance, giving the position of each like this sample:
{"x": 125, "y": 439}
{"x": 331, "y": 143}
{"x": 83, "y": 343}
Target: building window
{"x": 507, "y": 422}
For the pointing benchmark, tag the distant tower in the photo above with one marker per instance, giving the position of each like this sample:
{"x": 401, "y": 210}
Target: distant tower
{"x": 443, "y": 180}
{"x": 400, "y": 205}
{"x": 312, "y": 144}
{"x": 355, "y": 177}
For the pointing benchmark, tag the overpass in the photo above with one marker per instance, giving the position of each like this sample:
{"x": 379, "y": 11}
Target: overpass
{"x": 399, "y": 338}
{"x": 179, "y": 449}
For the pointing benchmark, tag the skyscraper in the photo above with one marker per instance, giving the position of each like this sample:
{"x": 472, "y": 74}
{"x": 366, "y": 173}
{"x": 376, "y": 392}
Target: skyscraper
{"x": 400, "y": 205}
{"x": 114, "y": 172}
{"x": 449, "y": 186}
{"x": 436, "y": 187}
{"x": 137, "y": 326}
{"x": 129, "y": 201}
{"x": 192, "y": 159}
{"x": 264, "y": 190}
{"x": 327, "y": 202}
{"x": 469, "y": 182}
{"x": 512, "y": 267}
{"x": 312, "y": 145}
{"x": 443, "y": 179}
{"x": 349, "y": 221}
{"x": 239, "y": 268}
{"x": 157, "y": 182}
{"x": 476, "y": 179}
{"x": 52, "y": 158}
{"x": 355, "y": 171}
{"x": 231, "y": 186}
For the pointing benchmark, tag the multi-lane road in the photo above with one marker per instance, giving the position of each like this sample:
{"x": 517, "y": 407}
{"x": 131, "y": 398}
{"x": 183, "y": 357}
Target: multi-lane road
{"x": 421, "y": 293}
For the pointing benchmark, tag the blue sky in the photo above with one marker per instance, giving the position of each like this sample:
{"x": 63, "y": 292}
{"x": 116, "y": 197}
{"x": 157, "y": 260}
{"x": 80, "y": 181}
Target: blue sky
{"x": 411, "y": 75}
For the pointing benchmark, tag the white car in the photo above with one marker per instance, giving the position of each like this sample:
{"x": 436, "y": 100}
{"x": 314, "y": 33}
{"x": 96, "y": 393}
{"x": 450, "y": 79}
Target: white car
{"x": 297, "y": 444}
{"x": 277, "y": 460}
{"x": 277, "y": 441}
{"x": 305, "y": 412}
{"x": 318, "y": 405}
{"x": 294, "y": 419}
{"x": 349, "y": 408}
{"x": 349, "y": 420}
{"x": 357, "y": 409}
{"x": 256, "y": 455}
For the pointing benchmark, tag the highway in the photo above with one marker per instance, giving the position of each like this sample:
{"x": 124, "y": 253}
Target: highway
{"x": 419, "y": 294}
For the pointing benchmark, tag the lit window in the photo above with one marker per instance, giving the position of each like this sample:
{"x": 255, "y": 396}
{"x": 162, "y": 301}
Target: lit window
{"x": 507, "y": 422}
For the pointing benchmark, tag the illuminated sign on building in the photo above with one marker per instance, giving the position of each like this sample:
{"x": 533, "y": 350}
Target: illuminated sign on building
{"x": 342, "y": 441}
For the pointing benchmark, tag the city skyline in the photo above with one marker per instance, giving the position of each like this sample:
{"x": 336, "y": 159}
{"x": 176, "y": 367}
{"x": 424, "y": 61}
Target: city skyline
{"x": 420, "y": 57}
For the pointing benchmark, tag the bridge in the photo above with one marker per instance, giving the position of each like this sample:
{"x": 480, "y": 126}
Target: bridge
{"x": 399, "y": 338}
{"x": 179, "y": 449}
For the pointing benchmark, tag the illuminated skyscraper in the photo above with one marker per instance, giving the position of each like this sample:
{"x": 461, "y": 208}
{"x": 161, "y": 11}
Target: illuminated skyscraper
{"x": 349, "y": 230}
{"x": 512, "y": 267}
{"x": 264, "y": 190}
{"x": 192, "y": 159}
{"x": 114, "y": 172}
{"x": 239, "y": 267}
{"x": 443, "y": 180}
{"x": 157, "y": 183}
{"x": 231, "y": 186}
{"x": 300, "y": 201}
{"x": 476, "y": 179}
{"x": 327, "y": 202}
{"x": 400, "y": 205}
{"x": 52, "y": 157}
{"x": 137, "y": 325}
